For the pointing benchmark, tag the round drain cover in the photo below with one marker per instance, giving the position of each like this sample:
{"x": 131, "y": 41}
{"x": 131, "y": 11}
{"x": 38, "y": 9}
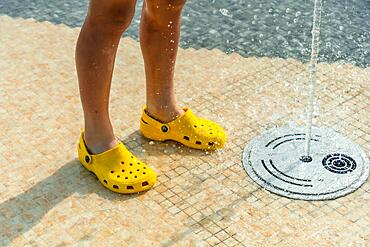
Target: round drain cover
{"x": 275, "y": 160}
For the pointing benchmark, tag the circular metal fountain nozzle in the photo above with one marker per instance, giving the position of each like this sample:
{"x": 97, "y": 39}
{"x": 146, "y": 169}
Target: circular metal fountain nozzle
{"x": 305, "y": 158}
{"x": 337, "y": 165}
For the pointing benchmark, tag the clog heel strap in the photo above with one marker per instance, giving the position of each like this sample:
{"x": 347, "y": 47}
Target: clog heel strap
{"x": 83, "y": 155}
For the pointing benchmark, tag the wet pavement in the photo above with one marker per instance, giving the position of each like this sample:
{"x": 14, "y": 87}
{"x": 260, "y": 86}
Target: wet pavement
{"x": 250, "y": 28}
{"x": 255, "y": 79}
{"x": 201, "y": 198}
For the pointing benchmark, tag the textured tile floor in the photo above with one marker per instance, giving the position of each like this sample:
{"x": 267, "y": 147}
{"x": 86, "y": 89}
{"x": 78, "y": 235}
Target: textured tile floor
{"x": 201, "y": 199}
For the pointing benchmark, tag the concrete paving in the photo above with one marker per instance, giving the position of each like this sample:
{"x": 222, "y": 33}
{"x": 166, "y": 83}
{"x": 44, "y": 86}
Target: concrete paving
{"x": 201, "y": 198}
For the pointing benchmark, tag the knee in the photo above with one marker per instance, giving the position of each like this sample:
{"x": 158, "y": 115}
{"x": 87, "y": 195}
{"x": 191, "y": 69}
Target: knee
{"x": 161, "y": 11}
{"x": 171, "y": 4}
{"x": 164, "y": 5}
{"x": 111, "y": 15}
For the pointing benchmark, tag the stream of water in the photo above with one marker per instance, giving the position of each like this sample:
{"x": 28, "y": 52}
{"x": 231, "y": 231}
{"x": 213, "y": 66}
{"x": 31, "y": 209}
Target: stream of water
{"x": 312, "y": 73}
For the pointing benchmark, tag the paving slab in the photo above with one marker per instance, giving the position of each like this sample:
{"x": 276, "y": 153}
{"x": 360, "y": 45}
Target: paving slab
{"x": 201, "y": 198}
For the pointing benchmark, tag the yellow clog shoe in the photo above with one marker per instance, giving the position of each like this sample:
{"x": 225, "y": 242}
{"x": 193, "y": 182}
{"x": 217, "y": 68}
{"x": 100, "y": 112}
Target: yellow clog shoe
{"x": 117, "y": 168}
{"x": 187, "y": 129}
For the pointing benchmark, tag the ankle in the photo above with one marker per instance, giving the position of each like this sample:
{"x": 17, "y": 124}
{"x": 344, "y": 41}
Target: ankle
{"x": 99, "y": 136}
{"x": 97, "y": 144}
{"x": 98, "y": 139}
{"x": 165, "y": 114}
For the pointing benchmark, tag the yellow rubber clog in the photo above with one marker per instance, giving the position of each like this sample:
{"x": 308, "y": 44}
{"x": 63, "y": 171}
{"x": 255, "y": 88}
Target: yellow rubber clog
{"x": 117, "y": 168}
{"x": 187, "y": 129}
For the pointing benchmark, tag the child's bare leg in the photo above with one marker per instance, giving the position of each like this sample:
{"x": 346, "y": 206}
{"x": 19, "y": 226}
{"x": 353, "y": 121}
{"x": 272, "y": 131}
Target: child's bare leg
{"x": 95, "y": 54}
{"x": 159, "y": 38}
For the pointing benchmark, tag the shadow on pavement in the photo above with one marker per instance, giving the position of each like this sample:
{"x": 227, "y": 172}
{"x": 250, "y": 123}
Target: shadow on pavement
{"x": 20, "y": 213}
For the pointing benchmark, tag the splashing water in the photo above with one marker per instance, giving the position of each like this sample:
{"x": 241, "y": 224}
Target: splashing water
{"x": 225, "y": 12}
{"x": 312, "y": 72}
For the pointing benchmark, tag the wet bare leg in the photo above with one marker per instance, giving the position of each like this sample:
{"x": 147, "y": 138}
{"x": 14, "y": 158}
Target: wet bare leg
{"x": 95, "y": 55}
{"x": 159, "y": 39}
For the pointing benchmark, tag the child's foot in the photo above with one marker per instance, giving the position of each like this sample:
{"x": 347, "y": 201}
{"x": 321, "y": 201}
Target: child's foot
{"x": 96, "y": 146}
{"x": 187, "y": 129}
{"x": 116, "y": 167}
{"x": 165, "y": 114}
